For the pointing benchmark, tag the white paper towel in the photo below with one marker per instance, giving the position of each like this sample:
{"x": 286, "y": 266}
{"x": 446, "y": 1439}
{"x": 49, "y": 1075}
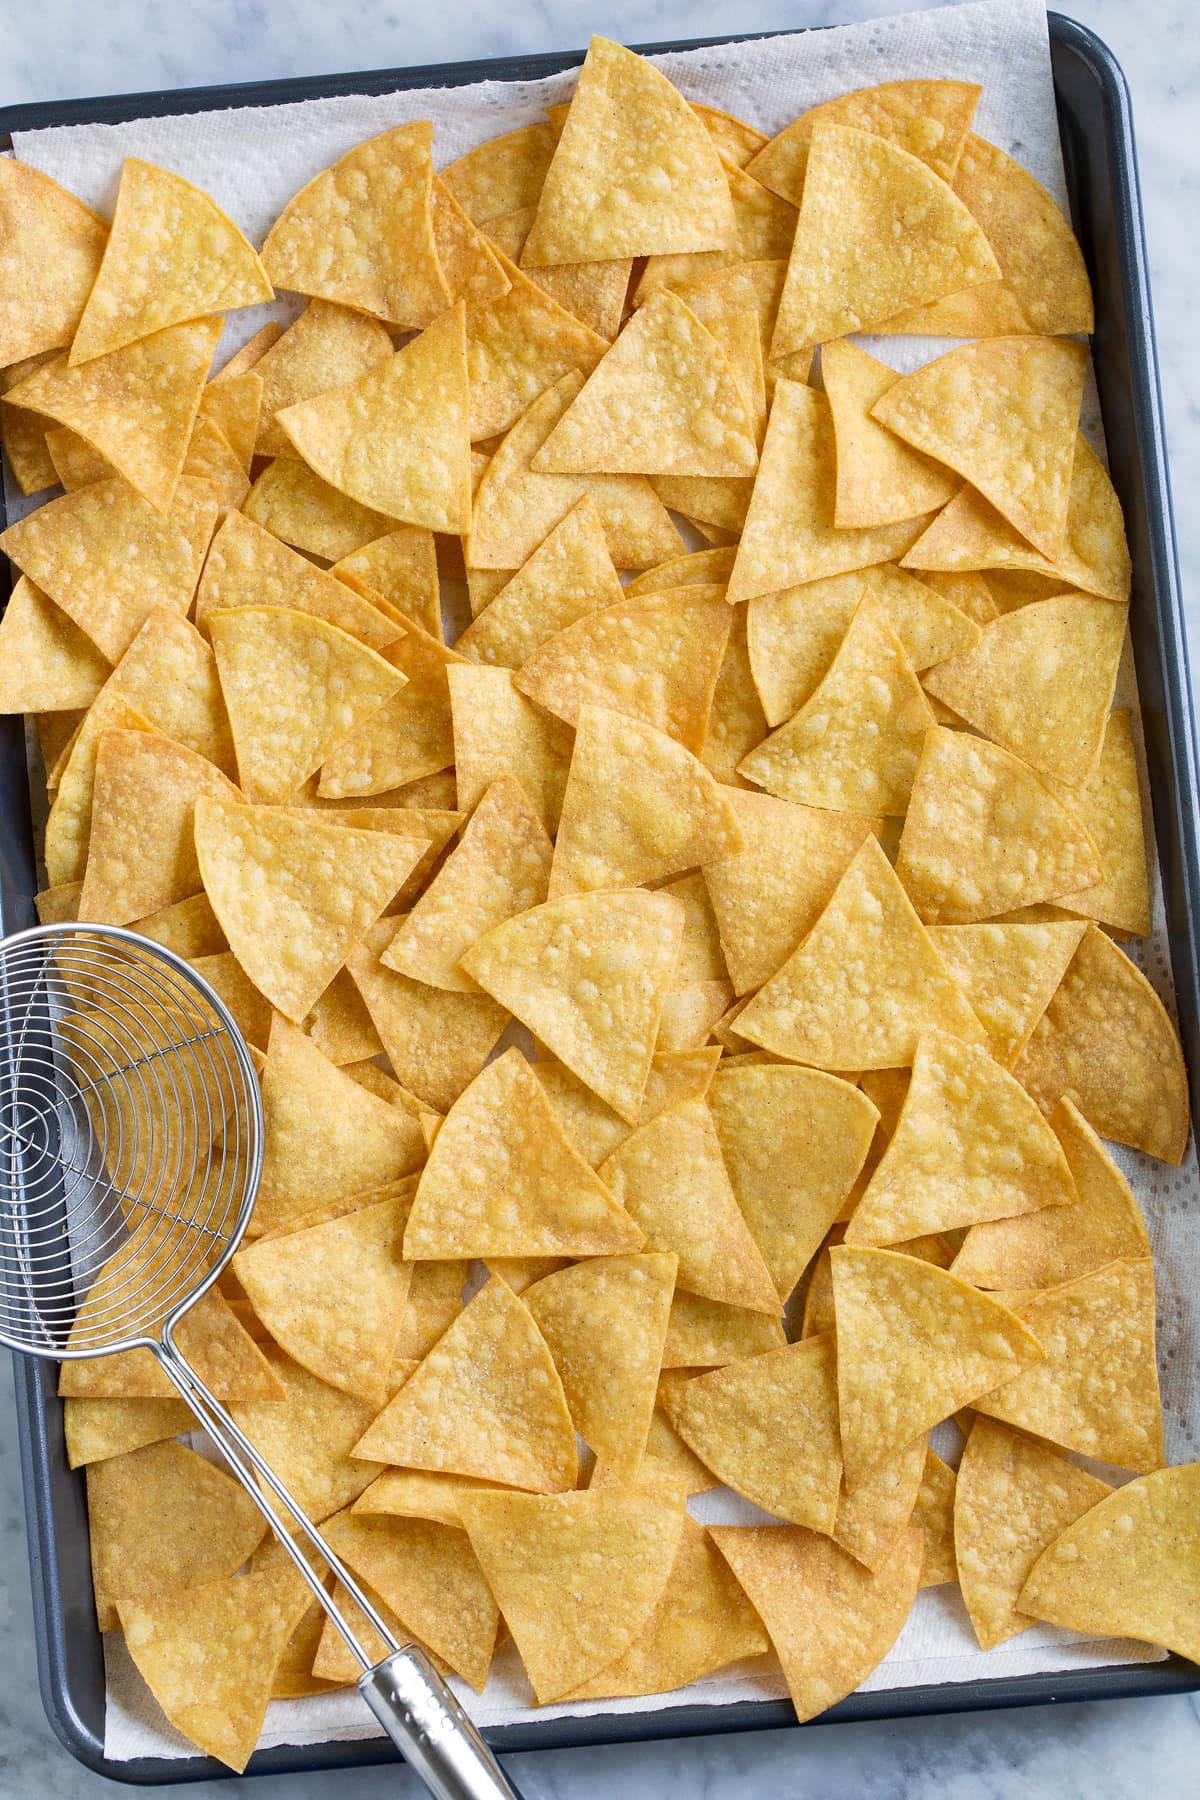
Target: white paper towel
{"x": 252, "y": 161}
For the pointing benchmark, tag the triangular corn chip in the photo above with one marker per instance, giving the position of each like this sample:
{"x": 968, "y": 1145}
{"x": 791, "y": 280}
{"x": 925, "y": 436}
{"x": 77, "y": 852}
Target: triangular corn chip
{"x": 830, "y": 1621}
{"x": 170, "y": 675}
{"x": 470, "y": 267}
{"x": 497, "y": 731}
{"x": 793, "y": 1141}
{"x": 789, "y": 534}
{"x": 878, "y": 231}
{"x": 1040, "y": 681}
{"x": 767, "y": 1426}
{"x": 294, "y": 687}
{"x": 189, "y": 928}
{"x": 634, "y": 173}
{"x": 294, "y": 896}
{"x": 328, "y": 346}
{"x": 864, "y": 984}
{"x": 913, "y": 1345}
{"x": 670, "y": 1176}
{"x": 23, "y": 433}
{"x": 1097, "y": 1389}
{"x": 515, "y": 508}
{"x": 400, "y": 570}
{"x": 930, "y": 119}
{"x": 209, "y": 1335}
{"x": 605, "y": 1321}
{"x": 252, "y": 1012}
{"x": 375, "y": 203}
{"x": 818, "y": 1295}
{"x": 569, "y": 575}
{"x": 75, "y": 462}
{"x": 502, "y": 174}
{"x": 325, "y": 1136}
{"x": 576, "y": 1576}
{"x": 172, "y": 255}
{"x": 1009, "y": 973}
{"x": 410, "y": 735}
{"x": 870, "y": 1520}
{"x": 141, "y": 853}
{"x": 593, "y": 291}
{"x": 94, "y": 1430}
{"x": 52, "y": 245}
{"x": 594, "y": 1128}
{"x": 486, "y": 1402}
{"x": 984, "y": 834}
{"x": 879, "y": 479}
{"x": 1012, "y": 1499}
{"x": 933, "y": 1514}
{"x": 656, "y": 659}
{"x": 1108, "y": 804}
{"x": 307, "y": 1438}
{"x": 854, "y": 744}
{"x": 638, "y": 807}
{"x": 47, "y": 664}
{"x": 503, "y": 1180}
{"x": 1003, "y": 413}
{"x": 396, "y": 439}
{"x": 499, "y": 867}
{"x": 107, "y": 558}
{"x": 970, "y": 1145}
{"x": 1043, "y": 282}
{"x": 417, "y": 1494}
{"x": 234, "y": 406}
{"x": 248, "y": 567}
{"x": 517, "y": 347}
{"x": 662, "y": 402}
{"x": 1127, "y": 1567}
{"x": 69, "y": 824}
{"x": 293, "y": 503}
{"x": 703, "y": 1334}
{"x": 736, "y": 721}
{"x": 587, "y": 974}
{"x": 330, "y": 1295}
{"x": 691, "y": 1011}
{"x": 735, "y": 139}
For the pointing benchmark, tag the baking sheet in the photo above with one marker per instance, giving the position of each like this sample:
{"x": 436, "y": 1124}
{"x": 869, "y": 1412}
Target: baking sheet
{"x": 252, "y": 160}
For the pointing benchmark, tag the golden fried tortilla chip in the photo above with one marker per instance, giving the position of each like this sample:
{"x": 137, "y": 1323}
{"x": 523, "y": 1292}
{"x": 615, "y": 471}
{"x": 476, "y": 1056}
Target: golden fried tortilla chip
{"x": 593, "y": 291}
{"x": 308, "y": 1437}
{"x": 172, "y": 255}
{"x": 518, "y": 346}
{"x": 293, "y": 503}
{"x": 407, "y": 737}
{"x": 864, "y": 984}
{"x": 248, "y": 567}
{"x": 569, "y": 575}
{"x": 1097, "y": 1389}
{"x": 328, "y": 346}
{"x": 470, "y": 267}
{"x": 634, "y": 172}
{"x": 1009, "y": 973}
{"x": 984, "y": 834}
{"x": 913, "y": 1345}
{"x": 497, "y": 731}
{"x": 703, "y": 1334}
{"x": 1013, "y": 1498}
{"x": 23, "y": 433}
{"x": 417, "y": 1494}
{"x": 69, "y": 824}
{"x": 879, "y": 478}
{"x": 929, "y": 119}
{"x": 374, "y": 203}
{"x": 486, "y": 1401}
{"x": 52, "y": 246}
{"x": 234, "y": 406}
{"x": 399, "y": 570}
{"x": 594, "y": 1128}
{"x": 736, "y": 721}
{"x": 871, "y": 1519}
{"x": 1107, "y": 1043}
{"x": 189, "y": 928}
{"x": 933, "y": 1514}
{"x": 47, "y": 664}
{"x": 96, "y": 1429}
{"x": 878, "y": 231}
{"x": 830, "y": 1620}
{"x": 503, "y": 173}
{"x": 1108, "y": 804}
{"x": 170, "y": 675}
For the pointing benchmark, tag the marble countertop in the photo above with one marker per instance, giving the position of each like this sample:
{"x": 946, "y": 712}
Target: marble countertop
{"x": 58, "y": 48}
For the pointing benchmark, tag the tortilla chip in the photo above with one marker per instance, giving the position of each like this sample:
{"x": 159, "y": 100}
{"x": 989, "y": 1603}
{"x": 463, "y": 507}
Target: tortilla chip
{"x": 396, "y": 439}
{"x": 605, "y": 1321}
{"x": 141, "y": 853}
{"x": 1004, "y": 414}
{"x": 47, "y": 664}
{"x": 328, "y": 346}
{"x": 247, "y": 567}
{"x": 503, "y": 1179}
{"x": 736, "y": 721}
{"x": 69, "y": 824}
{"x": 878, "y": 231}
{"x": 668, "y": 1465}
{"x": 929, "y": 119}
{"x": 669, "y": 1174}
{"x": 593, "y": 291}
{"x": 1013, "y": 1498}
{"x": 569, "y": 576}
{"x": 655, "y": 659}
{"x": 293, "y": 503}
{"x": 1097, "y": 1389}
{"x": 497, "y": 731}
{"x": 1044, "y": 283}
{"x": 325, "y": 1136}
{"x": 374, "y": 203}
{"x": 234, "y": 406}
{"x": 634, "y": 173}
{"x": 23, "y": 433}
{"x": 913, "y": 1345}
{"x": 703, "y": 1334}
{"x": 470, "y": 267}
{"x": 855, "y": 743}
{"x": 830, "y": 1620}
{"x": 765, "y": 223}
{"x": 1108, "y": 805}
{"x": 169, "y": 674}
{"x": 408, "y": 736}
{"x": 416, "y": 1494}
{"x": 517, "y": 347}
{"x": 399, "y": 570}
{"x": 970, "y": 534}
{"x": 502, "y": 174}
{"x": 879, "y": 479}
{"x": 172, "y": 255}
{"x": 789, "y": 534}
{"x": 428, "y": 1576}
{"x": 252, "y": 1013}
{"x": 96, "y": 1430}
{"x": 53, "y": 244}
{"x": 587, "y": 974}
{"x": 793, "y": 1141}
{"x": 872, "y": 1518}
{"x": 307, "y": 1439}
{"x": 75, "y": 462}
{"x": 189, "y": 928}
{"x": 1107, "y": 1042}
{"x": 107, "y": 558}
{"x": 1127, "y": 1567}
{"x": 984, "y": 834}
{"x": 864, "y": 984}
{"x": 577, "y": 1576}
{"x": 593, "y": 1128}
{"x": 436, "y": 1041}
{"x": 58, "y": 905}
{"x": 487, "y": 1401}
{"x": 515, "y": 508}
{"x": 690, "y": 1012}
{"x": 1009, "y": 973}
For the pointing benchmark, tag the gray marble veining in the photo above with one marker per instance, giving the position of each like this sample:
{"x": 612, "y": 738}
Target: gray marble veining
{"x": 55, "y": 48}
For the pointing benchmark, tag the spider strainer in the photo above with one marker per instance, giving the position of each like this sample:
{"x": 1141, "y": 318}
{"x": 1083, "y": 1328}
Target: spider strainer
{"x": 131, "y": 1130}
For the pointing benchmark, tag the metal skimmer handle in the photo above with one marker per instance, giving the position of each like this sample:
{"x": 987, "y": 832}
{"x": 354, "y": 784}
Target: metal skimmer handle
{"x": 431, "y": 1730}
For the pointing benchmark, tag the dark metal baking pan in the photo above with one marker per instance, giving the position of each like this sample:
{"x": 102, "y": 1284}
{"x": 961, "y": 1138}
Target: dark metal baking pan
{"x": 1097, "y": 134}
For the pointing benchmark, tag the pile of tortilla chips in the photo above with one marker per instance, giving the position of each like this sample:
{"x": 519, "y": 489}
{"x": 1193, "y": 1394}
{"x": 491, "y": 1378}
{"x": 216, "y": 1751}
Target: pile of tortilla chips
{"x": 689, "y": 990}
